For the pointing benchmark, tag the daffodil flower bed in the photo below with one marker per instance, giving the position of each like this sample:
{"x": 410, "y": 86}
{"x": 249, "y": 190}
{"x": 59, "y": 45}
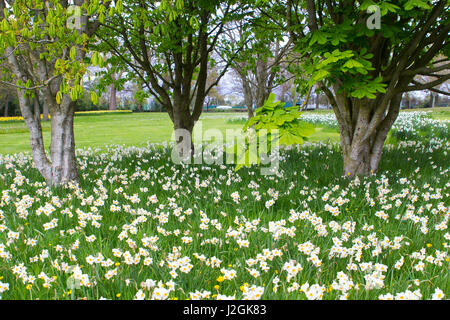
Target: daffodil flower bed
{"x": 140, "y": 227}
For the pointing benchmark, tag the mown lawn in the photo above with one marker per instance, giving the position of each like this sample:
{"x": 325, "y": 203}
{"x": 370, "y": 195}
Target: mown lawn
{"x": 130, "y": 129}
{"x": 136, "y": 129}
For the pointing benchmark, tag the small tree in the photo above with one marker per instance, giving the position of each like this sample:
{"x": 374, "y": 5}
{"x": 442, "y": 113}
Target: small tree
{"x": 364, "y": 55}
{"x": 43, "y": 43}
{"x": 168, "y": 45}
{"x": 261, "y": 63}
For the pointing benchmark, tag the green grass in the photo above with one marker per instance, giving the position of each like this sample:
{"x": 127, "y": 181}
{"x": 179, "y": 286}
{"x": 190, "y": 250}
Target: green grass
{"x": 414, "y": 173}
{"x": 136, "y": 129}
{"x": 100, "y": 130}
{"x": 124, "y": 129}
{"x": 143, "y": 192}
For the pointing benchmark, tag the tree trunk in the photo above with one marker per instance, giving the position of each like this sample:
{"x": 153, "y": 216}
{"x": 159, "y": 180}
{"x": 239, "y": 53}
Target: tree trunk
{"x": 32, "y": 120}
{"x": 248, "y": 99}
{"x": 263, "y": 82}
{"x": 317, "y": 101}
{"x": 432, "y": 99}
{"x": 408, "y": 101}
{"x": 284, "y": 91}
{"x": 61, "y": 167}
{"x": 361, "y": 157}
{"x": 250, "y": 112}
{"x": 113, "y": 98}
{"x": 45, "y": 112}
{"x": 62, "y": 147}
{"x": 5, "y": 114}
{"x": 37, "y": 107}
{"x": 261, "y": 96}
{"x": 113, "y": 91}
{"x": 183, "y": 127}
{"x": 248, "y": 95}
{"x": 364, "y": 125}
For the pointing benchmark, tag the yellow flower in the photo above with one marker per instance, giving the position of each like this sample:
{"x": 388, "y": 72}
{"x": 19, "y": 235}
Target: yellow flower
{"x": 55, "y": 277}
{"x": 429, "y": 245}
{"x": 28, "y": 287}
{"x": 118, "y": 295}
{"x": 220, "y": 279}
{"x": 216, "y": 287}
{"x": 242, "y": 288}
{"x": 117, "y": 264}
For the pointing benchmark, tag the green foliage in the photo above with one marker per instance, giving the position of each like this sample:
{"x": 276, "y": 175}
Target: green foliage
{"x": 148, "y": 39}
{"x": 342, "y": 47}
{"x": 273, "y": 125}
{"x": 51, "y": 35}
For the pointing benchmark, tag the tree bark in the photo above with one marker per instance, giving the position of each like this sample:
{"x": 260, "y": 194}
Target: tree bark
{"x": 113, "y": 98}
{"x": 5, "y": 114}
{"x": 32, "y": 120}
{"x": 363, "y": 130}
{"x": 248, "y": 96}
{"x": 432, "y": 99}
{"x": 36, "y": 105}
{"x": 45, "y": 112}
{"x": 408, "y": 101}
{"x": 183, "y": 124}
{"x": 264, "y": 82}
{"x": 62, "y": 147}
{"x": 61, "y": 167}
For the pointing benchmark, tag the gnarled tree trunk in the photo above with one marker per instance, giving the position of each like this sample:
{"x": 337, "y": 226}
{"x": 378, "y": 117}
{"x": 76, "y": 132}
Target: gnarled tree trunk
{"x": 32, "y": 120}
{"x": 61, "y": 167}
{"x": 364, "y": 125}
{"x": 62, "y": 147}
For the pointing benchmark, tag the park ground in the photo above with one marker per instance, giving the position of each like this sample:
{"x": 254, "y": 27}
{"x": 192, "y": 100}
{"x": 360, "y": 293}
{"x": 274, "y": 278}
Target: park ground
{"x": 140, "y": 227}
{"x": 136, "y": 129}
